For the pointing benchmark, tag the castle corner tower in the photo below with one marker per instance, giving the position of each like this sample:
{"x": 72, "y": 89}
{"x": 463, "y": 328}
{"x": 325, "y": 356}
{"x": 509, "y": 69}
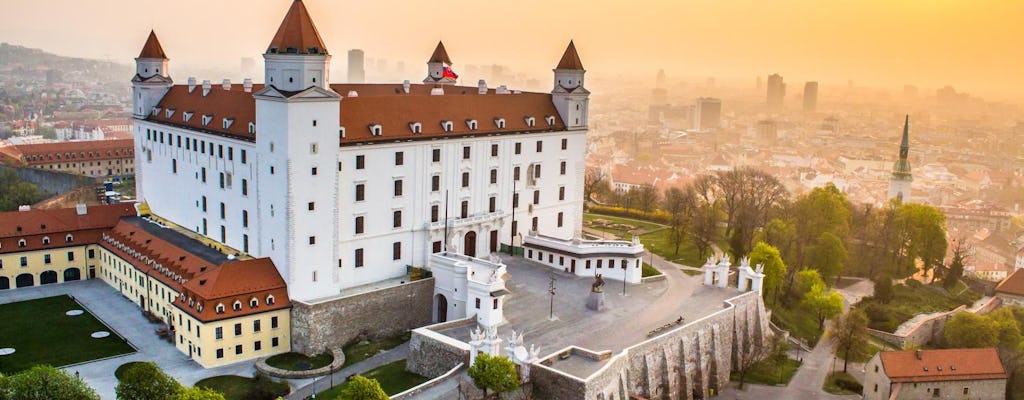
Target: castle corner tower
{"x": 152, "y": 80}
{"x": 439, "y": 69}
{"x": 571, "y": 98}
{"x": 899, "y": 182}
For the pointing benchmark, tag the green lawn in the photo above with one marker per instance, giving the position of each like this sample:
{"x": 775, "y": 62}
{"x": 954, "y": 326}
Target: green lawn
{"x": 842, "y": 383}
{"x": 800, "y": 322}
{"x": 648, "y": 270}
{"x": 356, "y": 352}
{"x": 40, "y": 333}
{"x": 300, "y": 362}
{"x": 912, "y": 300}
{"x": 393, "y": 378}
{"x": 235, "y": 387}
{"x": 766, "y": 373}
{"x": 657, "y": 241}
{"x": 589, "y": 221}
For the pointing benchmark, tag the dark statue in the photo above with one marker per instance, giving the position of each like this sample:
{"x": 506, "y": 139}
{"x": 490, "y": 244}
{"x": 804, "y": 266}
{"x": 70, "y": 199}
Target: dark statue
{"x": 598, "y": 284}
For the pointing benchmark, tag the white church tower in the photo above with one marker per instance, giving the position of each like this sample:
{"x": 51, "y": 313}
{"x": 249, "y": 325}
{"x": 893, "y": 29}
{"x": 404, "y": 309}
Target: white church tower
{"x": 899, "y": 182}
{"x": 436, "y": 65}
{"x": 152, "y": 80}
{"x": 571, "y": 98}
{"x": 297, "y": 125}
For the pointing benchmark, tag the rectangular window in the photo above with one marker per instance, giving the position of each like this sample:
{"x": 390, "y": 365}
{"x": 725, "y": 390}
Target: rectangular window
{"x": 515, "y": 200}
{"x": 313, "y": 148}
{"x": 477, "y": 303}
{"x": 492, "y": 204}
{"x": 465, "y": 152}
{"x": 515, "y": 173}
{"x": 561, "y": 168}
{"x": 273, "y": 342}
{"x": 359, "y": 224}
{"x": 433, "y": 213}
{"x": 46, "y": 258}
{"x": 560, "y": 215}
{"x": 494, "y": 176}
{"x": 561, "y": 193}
{"x": 465, "y": 179}
{"x": 540, "y": 146}
{"x": 71, "y": 256}
{"x": 396, "y": 251}
{"x": 245, "y": 218}
{"x": 519, "y": 148}
{"x": 360, "y": 161}
{"x": 435, "y": 155}
{"x": 399, "y": 158}
{"x": 312, "y": 240}
{"x": 494, "y": 150}
{"x": 258, "y": 345}
{"x": 220, "y": 151}
{"x": 435, "y": 183}
{"x": 256, "y": 325}
{"x": 398, "y": 187}
{"x": 360, "y": 192}
{"x": 396, "y": 219}
{"x": 534, "y": 223}
{"x": 245, "y": 187}
{"x": 536, "y": 197}
{"x": 218, "y": 333}
{"x": 536, "y": 171}
{"x": 204, "y": 174}
{"x": 359, "y": 258}
{"x": 465, "y": 209}
{"x": 245, "y": 243}
{"x": 238, "y": 349}
{"x": 273, "y": 322}
{"x": 238, "y": 329}
{"x": 174, "y": 166}
{"x": 565, "y": 143}
{"x": 220, "y": 353}
{"x": 436, "y": 247}
{"x": 222, "y": 211}
{"x": 312, "y": 171}
{"x": 244, "y": 158}
{"x": 231, "y": 153}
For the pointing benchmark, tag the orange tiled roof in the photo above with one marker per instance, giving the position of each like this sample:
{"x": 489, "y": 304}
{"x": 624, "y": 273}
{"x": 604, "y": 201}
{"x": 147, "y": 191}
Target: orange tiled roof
{"x": 297, "y": 33}
{"x": 34, "y": 225}
{"x": 234, "y": 104}
{"x": 1013, "y": 284}
{"x": 152, "y": 48}
{"x": 571, "y": 59}
{"x": 440, "y": 55}
{"x": 942, "y": 365}
{"x": 75, "y": 151}
{"x": 233, "y": 281}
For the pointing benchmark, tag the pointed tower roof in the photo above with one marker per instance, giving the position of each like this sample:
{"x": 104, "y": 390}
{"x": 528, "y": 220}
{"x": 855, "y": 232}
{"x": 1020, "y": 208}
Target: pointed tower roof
{"x": 297, "y": 34}
{"x": 440, "y": 55}
{"x": 152, "y": 48}
{"x": 906, "y": 133}
{"x": 571, "y": 59}
{"x": 901, "y": 169}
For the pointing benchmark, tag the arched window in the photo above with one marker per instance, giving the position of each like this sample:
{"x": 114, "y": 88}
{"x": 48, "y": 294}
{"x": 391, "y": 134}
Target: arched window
{"x": 472, "y": 124}
{"x": 500, "y": 123}
{"x": 447, "y": 126}
{"x": 69, "y": 238}
{"x": 270, "y": 300}
{"x": 46, "y": 240}
{"x": 376, "y": 129}
{"x": 530, "y": 121}
{"x": 220, "y": 308}
{"x": 21, "y": 243}
{"x": 237, "y": 306}
{"x": 416, "y": 127}
{"x": 253, "y": 303}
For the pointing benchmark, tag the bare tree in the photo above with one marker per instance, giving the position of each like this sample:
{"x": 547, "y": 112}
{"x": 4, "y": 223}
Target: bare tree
{"x": 647, "y": 198}
{"x": 594, "y": 182}
{"x": 679, "y": 206}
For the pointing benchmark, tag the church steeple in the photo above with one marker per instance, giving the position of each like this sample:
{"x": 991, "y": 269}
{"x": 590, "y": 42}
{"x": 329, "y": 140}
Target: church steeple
{"x": 899, "y": 182}
{"x": 905, "y": 145}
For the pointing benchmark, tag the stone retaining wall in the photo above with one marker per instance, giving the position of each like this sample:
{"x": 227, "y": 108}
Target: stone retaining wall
{"x": 412, "y": 392}
{"x": 382, "y": 313}
{"x": 432, "y": 354}
{"x": 336, "y": 364}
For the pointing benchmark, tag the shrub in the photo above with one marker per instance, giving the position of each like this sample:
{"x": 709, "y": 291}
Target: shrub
{"x": 658, "y": 216}
{"x": 847, "y": 382}
{"x": 913, "y": 283}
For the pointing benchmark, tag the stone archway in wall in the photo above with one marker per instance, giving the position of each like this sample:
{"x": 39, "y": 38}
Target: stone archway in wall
{"x": 442, "y": 308}
{"x": 72, "y": 274}
{"x": 469, "y": 244}
{"x": 48, "y": 277}
{"x": 4, "y": 283}
{"x": 25, "y": 280}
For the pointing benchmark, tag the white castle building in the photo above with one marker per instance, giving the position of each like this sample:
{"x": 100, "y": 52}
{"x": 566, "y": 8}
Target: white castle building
{"x": 343, "y": 185}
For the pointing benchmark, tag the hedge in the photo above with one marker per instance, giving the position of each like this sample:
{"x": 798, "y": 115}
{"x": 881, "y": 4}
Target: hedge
{"x": 658, "y": 216}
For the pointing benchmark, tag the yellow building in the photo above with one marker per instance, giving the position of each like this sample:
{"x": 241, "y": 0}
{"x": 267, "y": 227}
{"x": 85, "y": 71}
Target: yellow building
{"x": 95, "y": 158}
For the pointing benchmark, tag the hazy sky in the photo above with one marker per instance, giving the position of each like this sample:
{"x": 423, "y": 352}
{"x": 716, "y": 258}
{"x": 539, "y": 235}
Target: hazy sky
{"x": 974, "y": 45}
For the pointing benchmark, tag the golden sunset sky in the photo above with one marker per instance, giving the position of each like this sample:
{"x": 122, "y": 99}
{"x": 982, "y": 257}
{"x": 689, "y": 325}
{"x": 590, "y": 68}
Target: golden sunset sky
{"x": 974, "y": 45}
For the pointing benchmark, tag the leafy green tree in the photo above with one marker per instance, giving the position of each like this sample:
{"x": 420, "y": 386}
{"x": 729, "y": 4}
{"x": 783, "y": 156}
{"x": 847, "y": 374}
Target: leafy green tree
{"x": 145, "y": 381}
{"x": 969, "y": 330}
{"x": 829, "y": 257}
{"x": 884, "y": 290}
{"x": 823, "y": 210}
{"x": 494, "y": 373}
{"x": 923, "y": 235}
{"x": 805, "y": 281}
{"x": 849, "y": 336}
{"x": 44, "y": 382}
{"x": 15, "y": 192}
{"x": 826, "y": 304}
{"x": 956, "y": 264}
{"x": 774, "y": 268}
{"x": 362, "y": 388}
{"x": 197, "y": 393}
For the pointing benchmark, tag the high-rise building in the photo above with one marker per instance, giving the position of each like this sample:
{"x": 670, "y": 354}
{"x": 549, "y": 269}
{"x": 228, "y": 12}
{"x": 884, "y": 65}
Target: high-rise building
{"x": 707, "y": 114}
{"x": 768, "y": 131}
{"x": 356, "y": 71}
{"x": 899, "y": 182}
{"x": 810, "y": 96}
{"x": 776, "y": 91}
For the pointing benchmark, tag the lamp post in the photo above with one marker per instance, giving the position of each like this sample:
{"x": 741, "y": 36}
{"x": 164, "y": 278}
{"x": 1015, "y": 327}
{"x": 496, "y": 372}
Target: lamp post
{"x": 551, "y": 290}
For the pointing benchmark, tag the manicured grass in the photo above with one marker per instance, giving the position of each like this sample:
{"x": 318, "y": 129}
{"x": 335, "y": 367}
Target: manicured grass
{"x": 123, "y": 369}
{"x": 911, "y": 300}
{"x": 40, "y": 333}
{"x": 356, "y": 352}
{"x": 767, "y": 373}
{"x": 393, "y": 378}
{"x": 621, "y": 232}
{"x": 840, "y": 382}
{"x": 648, "y": 270}
{"x": 799, "y": 321}
{"x": 657, "y": 240}
{"x": 235, "y": 387}
{"x": 300, "y": 362}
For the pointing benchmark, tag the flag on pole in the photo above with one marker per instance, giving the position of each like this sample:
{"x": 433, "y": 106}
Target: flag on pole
{"x": 448, "y": 73}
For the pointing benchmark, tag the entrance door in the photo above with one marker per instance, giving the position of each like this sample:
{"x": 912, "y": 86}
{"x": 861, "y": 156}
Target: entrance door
{"x": 48, "y": 277}
{"x": 469, "y": 244}
{"x": 572, "y": 266}
{"x": 442, "y": 308}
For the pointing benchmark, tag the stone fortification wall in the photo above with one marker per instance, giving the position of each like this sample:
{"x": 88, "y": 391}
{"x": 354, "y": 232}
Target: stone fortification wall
{"x": 51, "y": 182}
{"x": 333, "y": 323}
{"x": 432, "y": 354}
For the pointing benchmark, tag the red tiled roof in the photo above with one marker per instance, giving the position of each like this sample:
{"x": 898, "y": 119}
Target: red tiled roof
{"x": 1013, "y": 284}
{"x": 384, "y": 104}
{"x": 56, "y": 224}
{"x": 152, "y": 48}
{"x": 297, "y": 33}
{"x": 571, "y": 59}
{"x": 75, "y": 151}
{"x": 942, "y": 365}
{"x": 237, "y": 281}
{"x": 440, "y": 55}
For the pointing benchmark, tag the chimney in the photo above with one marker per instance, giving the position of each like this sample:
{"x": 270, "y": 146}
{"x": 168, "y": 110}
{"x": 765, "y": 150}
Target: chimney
{"x": 405, "y": 86}
{"x": 25, "y": 208}
{"x": 247, "y": 85}
{"x": 191, "y": 84}
{"x": 917, "y": 354}
{"x": 206, "y": 87}
{"x": 226, "y": 84}
{"x": 481, "y": 87}
{"x": 81, "y": 209}
{"x": 437, "y": 91}
{"x": 502, "y": 90}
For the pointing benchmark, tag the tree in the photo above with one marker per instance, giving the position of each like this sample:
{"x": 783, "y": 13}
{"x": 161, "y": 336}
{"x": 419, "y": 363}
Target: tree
{"x": 145, "y": 381}
{"x": 956, "y": 264}
{"x": 826, "y": 304}
{"x": 813, "y": 214}
{"x": 804, "y": 282}
{"x": 677, "y": 205}
{"x": 647, "y": 198}
{"x": 44, "y": 382}
{"x": 849, "y": 336}
{"x": 594, "y": 182}
{"x": 704, "y": 227}
{"x": 748, "y": 196}
{"x": 747, "y": 363}
{"x": 829, "y": 256}
{"x": 494, "y": 373}
{"x": 362, "y": 388}
{"x": 15, "y": 192}
{"x": 923, "y": 234}
{"x": 884, "y": 291}
{"x": 197, "y": 393}
{"x": 969, "y": 330}
{"x": 774, "y": 268}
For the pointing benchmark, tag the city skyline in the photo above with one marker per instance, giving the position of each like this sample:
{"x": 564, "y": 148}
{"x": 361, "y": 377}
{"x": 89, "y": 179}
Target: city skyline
{"x": 874, "y": 43}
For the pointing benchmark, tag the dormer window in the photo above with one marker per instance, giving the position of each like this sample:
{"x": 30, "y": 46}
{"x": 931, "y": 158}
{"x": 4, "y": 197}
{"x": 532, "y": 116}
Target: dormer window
{"x": 69, "y": 238}
{"x": 237, "y": 306}
{"x": 21, "y": 243}
{"x": 253, "y": 303}
{"x": 471, "y": 123}
{"x": 270, "y": 300}
{"x": 207, "y": 118}
{"x": 341, "y": 132}
{"x": 220, "y": 308}
{"x": 530, "y": 121}
{"x": 550, "y": 119}
{"x": 226, "y": 123}
{"x": 168, "y": 113}
{"x": 252, "y": 127}
{"x": 46, "y": 240}
{"x": 447, "y": 126}
{"x": 500, "y": 123}
{"x": 416, "y": 127}
{"x": 376, "y": 129}
{"x": 156, "y": 111}
{"x": 186, "y": 116}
